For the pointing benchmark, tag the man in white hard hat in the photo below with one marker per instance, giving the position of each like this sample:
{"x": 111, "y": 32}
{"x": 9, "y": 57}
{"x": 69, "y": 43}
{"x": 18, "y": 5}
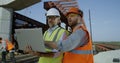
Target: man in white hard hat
{"x": 54, "y": 33}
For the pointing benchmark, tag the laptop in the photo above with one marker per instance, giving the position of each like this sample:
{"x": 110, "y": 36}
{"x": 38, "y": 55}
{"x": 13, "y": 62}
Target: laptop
{"x": 32, "y": 37}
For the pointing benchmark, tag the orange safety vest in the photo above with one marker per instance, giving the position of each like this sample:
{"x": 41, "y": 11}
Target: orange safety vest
{"x": 81, "y": 54}
{"x": 9, "y": 45}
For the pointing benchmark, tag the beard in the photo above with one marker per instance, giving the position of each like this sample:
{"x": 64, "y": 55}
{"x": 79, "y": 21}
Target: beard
{"x": 52, "y": 24}
{"x": 73, "y": 23}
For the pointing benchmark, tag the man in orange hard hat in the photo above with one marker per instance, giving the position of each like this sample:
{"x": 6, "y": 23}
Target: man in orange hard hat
{"x": 78, "y": 46}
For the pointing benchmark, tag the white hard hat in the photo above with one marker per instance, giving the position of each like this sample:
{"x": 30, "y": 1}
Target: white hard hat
{"x": 53, "y": 12}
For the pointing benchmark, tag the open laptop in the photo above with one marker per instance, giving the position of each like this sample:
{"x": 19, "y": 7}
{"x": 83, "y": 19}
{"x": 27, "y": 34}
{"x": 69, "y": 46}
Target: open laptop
{"x": 32, "y": 37}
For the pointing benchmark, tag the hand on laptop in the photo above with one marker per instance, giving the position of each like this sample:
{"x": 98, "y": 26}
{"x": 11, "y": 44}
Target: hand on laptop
{"x": 28, "y": 49}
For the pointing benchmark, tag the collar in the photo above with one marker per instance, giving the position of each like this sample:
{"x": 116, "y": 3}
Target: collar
{"x": 77, "y": 26}
{"x": 53, "y": 28}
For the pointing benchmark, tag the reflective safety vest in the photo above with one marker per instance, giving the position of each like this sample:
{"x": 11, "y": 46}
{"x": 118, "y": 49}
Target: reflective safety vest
{"x": 81, "y": 54}
{"x": 55, "y": 36}
{"x": 9, "y": 45}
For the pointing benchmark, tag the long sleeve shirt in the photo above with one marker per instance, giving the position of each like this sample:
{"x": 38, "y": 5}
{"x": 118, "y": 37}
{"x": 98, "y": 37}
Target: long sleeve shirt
{"x": 75, "y": 40}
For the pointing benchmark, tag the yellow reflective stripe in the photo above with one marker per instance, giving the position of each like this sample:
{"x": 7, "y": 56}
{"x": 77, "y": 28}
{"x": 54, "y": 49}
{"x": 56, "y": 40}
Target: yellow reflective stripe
{"x": 56, "y": 35}
{"x": 60, "y": 34}
{"x": 45, "y": 34}
{"x": 82, "y": 51}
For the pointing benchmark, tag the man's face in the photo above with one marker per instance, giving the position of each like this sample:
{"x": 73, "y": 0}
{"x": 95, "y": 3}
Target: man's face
{"x": 53, "y": 20}
{"x": 72, "y": 19}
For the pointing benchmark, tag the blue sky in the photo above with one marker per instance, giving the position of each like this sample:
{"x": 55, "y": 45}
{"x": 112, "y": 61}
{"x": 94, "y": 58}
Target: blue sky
{"x": 105, "y": 17}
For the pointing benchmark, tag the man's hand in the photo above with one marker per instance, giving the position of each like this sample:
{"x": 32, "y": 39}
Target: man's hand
{"x": 28, "y": 49}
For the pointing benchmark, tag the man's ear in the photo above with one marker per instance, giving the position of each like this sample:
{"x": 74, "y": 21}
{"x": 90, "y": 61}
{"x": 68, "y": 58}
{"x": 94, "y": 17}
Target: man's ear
{"x": 78, "y": 19}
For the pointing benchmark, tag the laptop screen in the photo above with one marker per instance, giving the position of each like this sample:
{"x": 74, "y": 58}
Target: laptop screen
{"x": 32, "y": 37}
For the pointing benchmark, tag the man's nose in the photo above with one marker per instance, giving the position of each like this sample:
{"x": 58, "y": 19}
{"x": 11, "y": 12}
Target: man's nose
{"x": 69, "y": 18}
{"x": 49, "y": 19}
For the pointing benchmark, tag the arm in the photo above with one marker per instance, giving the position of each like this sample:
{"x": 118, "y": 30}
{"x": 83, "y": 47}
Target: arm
{"x": 76, "y": 39}
{"x": 43, "y": 54}
{"x": 48, "y": 54}
{"x": 63, "y": 37}
{"x": 52, "y": 44}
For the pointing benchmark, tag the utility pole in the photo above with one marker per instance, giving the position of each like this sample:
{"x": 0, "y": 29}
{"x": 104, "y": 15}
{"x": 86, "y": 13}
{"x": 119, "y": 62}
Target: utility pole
{"x": 90, "y": 24}
{"x": 93, "y": 45}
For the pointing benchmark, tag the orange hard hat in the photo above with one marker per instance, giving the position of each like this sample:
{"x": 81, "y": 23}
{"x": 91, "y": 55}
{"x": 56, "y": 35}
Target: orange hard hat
{"x": 75, "y": 10}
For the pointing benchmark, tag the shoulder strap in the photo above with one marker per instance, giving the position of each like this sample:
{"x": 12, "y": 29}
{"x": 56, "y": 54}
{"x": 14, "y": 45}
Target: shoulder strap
{"x": 55, "y": 37}
{"x": 45, "y": 34}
